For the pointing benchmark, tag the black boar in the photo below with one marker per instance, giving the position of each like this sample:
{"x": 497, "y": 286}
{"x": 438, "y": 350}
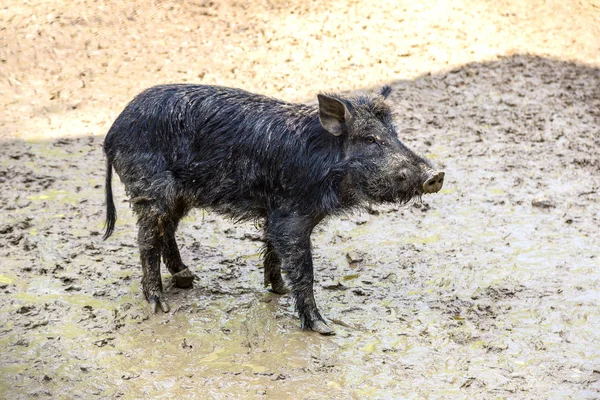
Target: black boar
{"x": 176, "y": 147}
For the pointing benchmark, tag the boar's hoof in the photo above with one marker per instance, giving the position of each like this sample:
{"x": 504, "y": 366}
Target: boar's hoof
{"x": 322, "y": 328}
{"x": 279, "y": 288}
{"x": 155, "y": 301}
{"x": 184, "y": 278}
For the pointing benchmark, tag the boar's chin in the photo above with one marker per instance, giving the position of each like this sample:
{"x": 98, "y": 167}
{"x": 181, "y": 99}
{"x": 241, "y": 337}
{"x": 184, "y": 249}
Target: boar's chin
{"x": 396, "y": 197}
{"x": 407, "y": 196}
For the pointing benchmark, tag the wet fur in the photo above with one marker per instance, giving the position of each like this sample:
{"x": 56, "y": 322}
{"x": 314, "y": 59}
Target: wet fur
{"x": 177, "y": 147}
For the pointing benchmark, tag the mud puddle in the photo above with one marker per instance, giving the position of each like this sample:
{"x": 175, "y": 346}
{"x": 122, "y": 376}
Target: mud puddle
{"x": 489, "y": 290}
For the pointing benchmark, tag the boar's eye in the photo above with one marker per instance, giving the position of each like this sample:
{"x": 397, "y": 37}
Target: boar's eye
{"x": 370, "y": 139}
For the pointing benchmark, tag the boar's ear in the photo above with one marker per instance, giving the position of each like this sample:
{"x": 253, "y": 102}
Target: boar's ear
{"x": 333, "y": 114}
{"x": 385, "y": 91}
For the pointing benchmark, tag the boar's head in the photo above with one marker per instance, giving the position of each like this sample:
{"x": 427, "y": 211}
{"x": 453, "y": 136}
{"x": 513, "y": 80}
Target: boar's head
{"x": 380, "y": 168}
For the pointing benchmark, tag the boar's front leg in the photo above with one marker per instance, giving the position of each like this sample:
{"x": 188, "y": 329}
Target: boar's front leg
{"x": 289, "y": 235}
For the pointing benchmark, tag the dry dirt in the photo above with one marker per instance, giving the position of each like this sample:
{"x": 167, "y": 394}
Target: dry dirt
{"x": 489, "y": 289}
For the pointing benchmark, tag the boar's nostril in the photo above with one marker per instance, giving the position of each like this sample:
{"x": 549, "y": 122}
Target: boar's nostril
{"x": 434, "y": 183}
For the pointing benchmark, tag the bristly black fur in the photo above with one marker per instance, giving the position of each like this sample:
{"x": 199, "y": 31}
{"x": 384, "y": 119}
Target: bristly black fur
{"x": 177, "y": 147}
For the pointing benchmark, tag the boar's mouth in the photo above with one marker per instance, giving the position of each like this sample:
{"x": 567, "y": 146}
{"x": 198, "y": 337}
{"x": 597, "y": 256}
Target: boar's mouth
{"x": 432, "y": 183}
{"x": 396, "y": 188}
{"x": 406, "y": 197}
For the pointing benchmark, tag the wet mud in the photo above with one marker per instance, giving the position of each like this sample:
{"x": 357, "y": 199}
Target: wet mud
{"x": 488, "y": 289}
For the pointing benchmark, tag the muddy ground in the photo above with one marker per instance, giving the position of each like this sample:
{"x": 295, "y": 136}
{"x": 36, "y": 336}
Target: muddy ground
{"x": 489, "y": 289}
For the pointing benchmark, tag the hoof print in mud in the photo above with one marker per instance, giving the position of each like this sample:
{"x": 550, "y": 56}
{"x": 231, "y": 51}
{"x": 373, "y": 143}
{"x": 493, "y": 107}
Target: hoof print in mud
{"x": 184, "y": 279}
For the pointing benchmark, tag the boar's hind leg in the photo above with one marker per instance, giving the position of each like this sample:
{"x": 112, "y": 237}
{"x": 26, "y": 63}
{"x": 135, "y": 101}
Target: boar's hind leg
{"x": 150, "y": 229}
{"x": 182, "y": 276}
{"x": 272, "y": 265}
{"x": 290, "y": 236}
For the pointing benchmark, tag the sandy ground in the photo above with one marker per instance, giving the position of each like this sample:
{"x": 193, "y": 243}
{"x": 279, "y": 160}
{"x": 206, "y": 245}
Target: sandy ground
{"x": 489, "y": 289}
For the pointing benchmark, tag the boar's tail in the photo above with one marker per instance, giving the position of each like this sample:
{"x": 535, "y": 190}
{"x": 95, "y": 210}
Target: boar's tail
{"x": 111, "y": 212}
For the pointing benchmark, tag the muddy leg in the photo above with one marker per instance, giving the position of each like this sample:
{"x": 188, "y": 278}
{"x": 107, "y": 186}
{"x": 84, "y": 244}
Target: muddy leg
{"x": 272, "y": 265}
{"x": 149, "y": 241}
{"x": 182, "y": 276}
{"x": 290, "y": 237}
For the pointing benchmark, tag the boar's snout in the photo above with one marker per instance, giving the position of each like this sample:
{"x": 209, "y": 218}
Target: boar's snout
{"x": 434, "y": 182}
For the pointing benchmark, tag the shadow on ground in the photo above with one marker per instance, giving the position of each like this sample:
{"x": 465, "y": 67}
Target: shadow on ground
{"x": 489, "y": 289}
